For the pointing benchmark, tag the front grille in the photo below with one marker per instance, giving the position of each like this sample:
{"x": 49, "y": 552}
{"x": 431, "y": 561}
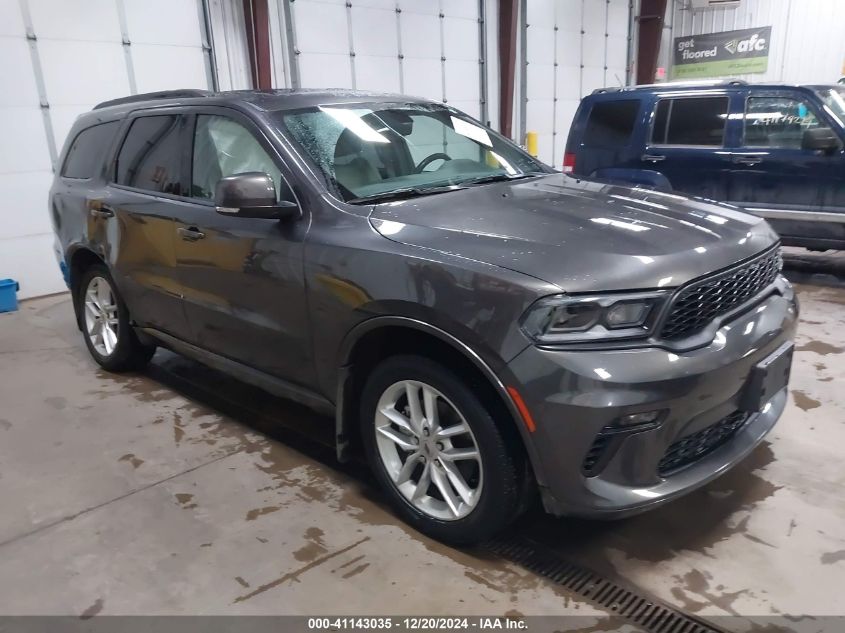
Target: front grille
{"x": 695, "y": 306}
{"x": 691, "y": 448}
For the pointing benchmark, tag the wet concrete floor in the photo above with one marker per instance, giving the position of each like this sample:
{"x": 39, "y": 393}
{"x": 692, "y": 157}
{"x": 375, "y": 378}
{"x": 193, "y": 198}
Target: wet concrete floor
{"x": 183, "y": 491}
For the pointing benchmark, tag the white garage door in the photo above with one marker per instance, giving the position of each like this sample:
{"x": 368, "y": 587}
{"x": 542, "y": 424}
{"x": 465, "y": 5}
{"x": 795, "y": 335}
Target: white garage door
{"x": 571, "y": 48}
{"x": 426, "y": 48}
{"x": 59, "y": 60}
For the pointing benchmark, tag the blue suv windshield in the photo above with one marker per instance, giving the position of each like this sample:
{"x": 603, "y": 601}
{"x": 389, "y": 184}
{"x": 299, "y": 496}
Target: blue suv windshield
{"x": 368, "y": 151}
{"x": 834, "y": 99}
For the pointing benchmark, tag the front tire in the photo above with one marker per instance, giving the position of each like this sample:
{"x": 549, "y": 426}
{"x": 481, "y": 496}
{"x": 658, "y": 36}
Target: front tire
{"x": 106, "y": 326}
{"x": 438, "y": 452}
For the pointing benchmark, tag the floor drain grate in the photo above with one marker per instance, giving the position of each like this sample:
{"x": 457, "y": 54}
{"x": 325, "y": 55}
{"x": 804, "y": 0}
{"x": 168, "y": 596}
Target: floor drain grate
{"x": 644, "y": 611}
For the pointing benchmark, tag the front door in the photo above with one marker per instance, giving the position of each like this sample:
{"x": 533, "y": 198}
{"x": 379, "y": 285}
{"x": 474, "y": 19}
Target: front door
{"x": 242, "y": 278}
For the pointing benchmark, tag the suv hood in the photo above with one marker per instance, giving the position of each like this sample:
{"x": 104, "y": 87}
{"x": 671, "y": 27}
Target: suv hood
{"x": 579, "y": 235}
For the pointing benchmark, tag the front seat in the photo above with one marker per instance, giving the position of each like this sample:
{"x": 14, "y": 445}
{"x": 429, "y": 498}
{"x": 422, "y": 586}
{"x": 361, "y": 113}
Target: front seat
{"x": 353, "y": 163}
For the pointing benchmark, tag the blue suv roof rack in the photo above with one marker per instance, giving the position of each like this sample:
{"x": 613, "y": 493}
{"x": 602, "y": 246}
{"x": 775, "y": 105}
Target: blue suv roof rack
{"x": 676, "y": 84}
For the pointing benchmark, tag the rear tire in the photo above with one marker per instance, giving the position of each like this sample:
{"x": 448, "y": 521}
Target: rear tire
{"x": 106, "y": 326}
{"x": 464, "y": 499}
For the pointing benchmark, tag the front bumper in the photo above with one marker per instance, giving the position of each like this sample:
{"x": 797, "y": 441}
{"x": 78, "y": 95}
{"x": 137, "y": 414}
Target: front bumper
{"x": 574, "y": 395}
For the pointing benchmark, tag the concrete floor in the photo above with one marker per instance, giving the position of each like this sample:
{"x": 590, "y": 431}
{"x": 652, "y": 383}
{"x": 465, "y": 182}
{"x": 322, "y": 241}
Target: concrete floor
{"x": 177, "y": 491}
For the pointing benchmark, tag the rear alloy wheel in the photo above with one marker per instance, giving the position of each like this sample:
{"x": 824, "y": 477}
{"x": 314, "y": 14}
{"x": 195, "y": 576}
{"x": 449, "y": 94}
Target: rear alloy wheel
{"x": 101, "y": 320}
{"x": 438, "y": 452}
{"x": 105, "y": 324}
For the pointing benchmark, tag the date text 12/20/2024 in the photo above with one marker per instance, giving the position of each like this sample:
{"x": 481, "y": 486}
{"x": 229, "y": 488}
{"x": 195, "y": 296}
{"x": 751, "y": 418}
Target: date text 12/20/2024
{"x": 415, "y": 623}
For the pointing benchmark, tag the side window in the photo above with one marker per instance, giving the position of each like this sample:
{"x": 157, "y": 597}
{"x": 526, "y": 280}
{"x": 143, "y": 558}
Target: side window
{"x": 690, "y": 121}
{"x": 149, "y": 157}
{"x": 777, "y": 122}
{"x": 223, "y": 147}
{"x": 611, "y": 123}
{"x": 87, "y": 150}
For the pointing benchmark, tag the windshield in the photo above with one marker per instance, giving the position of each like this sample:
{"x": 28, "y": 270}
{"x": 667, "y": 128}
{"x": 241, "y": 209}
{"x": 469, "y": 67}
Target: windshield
{"x": 834, "y": 99}
{"x": 367, "y": 152}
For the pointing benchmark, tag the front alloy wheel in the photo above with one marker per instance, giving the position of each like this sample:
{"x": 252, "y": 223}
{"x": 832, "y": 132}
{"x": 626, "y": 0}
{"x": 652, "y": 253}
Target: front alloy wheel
{"x": 450, "y": 461}
{"x": 101, "y": 317}
{"x": 428, "y": 450}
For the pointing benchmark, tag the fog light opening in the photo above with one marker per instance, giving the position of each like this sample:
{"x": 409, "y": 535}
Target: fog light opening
{"x": 639, "y": 421}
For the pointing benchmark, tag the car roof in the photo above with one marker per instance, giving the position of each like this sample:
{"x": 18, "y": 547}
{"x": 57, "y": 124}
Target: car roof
{"x": 687, "y": 86}
{"x": 266, "y": 100}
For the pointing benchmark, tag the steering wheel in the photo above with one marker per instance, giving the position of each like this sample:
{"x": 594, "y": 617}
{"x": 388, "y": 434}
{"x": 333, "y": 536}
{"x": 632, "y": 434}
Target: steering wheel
{"x": 425, "y": 162}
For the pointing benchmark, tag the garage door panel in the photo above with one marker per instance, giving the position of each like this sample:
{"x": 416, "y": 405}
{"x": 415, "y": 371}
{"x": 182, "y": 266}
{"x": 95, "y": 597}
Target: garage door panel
{"x": 568, "y": 82}
{"x": 460, "y": 8}
{"x": 593, "y": 53}
{"x": 423, "y": 78}
{"x": 460, "y": 39}
{"x": 321, "y": 27}
{"x": 11, "y": 21}
{"x": 568, "y": 14}
{"x": 416, "y": 6}
{"x": 16, "y": 75}
{"x": 541, "y": 116}
{"x": 23, "y": 129}
{"x": 541, "y": 44}
{"x": 420, "y": 35}
{"x": 380, "y": 74}
{"x": 593, "y": 78}
{"x": 462, "y": 82}
{"x": 594, "y": 17}
{"x": 84, "y": 72}
{"x": 366, "y": 23}
{"x": 540, "y": 80}
{"x": 545, "y": 148}
{"x": 24, "y": 195}
{"x": 617, "y": 18}
{"x": 617, "y": 51}
{"x": 89, "y": 20}
{"x": 185, "y": 67}
{"x": 325, "y": 71}
{"x": 376, "y": 4}
{"x": 163, "y": 22}
{"x": 541, "y": 12}
{"x": 564, "y": 113}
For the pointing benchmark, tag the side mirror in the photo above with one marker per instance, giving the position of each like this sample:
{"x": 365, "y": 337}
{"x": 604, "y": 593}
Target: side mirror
{"x": 251, "y": 194}
{"x": 820, "y": 139}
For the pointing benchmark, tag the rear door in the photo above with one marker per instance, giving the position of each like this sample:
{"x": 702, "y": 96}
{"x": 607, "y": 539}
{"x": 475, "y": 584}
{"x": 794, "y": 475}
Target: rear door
{"x": 242, "y": 278}
{"x": 134, "y": 218}
{"x": 687, "y": 142}
{"x": 770, "y": 171}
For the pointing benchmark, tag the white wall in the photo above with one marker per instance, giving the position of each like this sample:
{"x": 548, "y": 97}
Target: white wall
{"x": 571, "y": 47}
{"x": 808, "y": 36}
{"x": 78, "y": 45}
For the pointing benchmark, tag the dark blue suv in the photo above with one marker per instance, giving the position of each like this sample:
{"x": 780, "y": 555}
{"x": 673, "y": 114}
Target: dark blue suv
{"x": 775, "y": 150}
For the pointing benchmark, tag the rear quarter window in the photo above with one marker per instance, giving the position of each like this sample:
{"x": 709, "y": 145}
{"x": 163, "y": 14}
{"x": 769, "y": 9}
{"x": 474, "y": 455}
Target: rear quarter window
{"x": 611, "y": 123}
{"x": 88, "y": 149}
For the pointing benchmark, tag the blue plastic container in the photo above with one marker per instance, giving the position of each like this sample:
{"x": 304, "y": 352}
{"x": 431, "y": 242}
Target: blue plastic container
{"x": 8, "y": 295}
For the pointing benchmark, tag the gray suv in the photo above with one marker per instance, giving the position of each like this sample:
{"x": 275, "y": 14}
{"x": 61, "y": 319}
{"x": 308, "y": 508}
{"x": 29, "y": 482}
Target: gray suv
{"x": 479, "y": 326}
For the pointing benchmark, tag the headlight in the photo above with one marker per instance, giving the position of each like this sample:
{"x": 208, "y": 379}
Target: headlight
{"x": 567, "y": 319}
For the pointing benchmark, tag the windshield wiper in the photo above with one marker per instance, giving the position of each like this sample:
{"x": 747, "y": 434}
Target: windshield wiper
{"x": 497, "y": 178}
{"x": 403, "y": 194}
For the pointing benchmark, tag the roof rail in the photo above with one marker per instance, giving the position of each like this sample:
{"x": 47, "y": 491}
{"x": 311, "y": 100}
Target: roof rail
{"x": 676, "y": 84}
{"x": 150, "y": 96}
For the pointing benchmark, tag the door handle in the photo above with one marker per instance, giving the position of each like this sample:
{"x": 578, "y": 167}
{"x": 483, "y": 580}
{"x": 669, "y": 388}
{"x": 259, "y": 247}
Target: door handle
{"x": 191, "y": 234}
{"x": 653, "y": 158}
{"x": 747, "y": 160}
